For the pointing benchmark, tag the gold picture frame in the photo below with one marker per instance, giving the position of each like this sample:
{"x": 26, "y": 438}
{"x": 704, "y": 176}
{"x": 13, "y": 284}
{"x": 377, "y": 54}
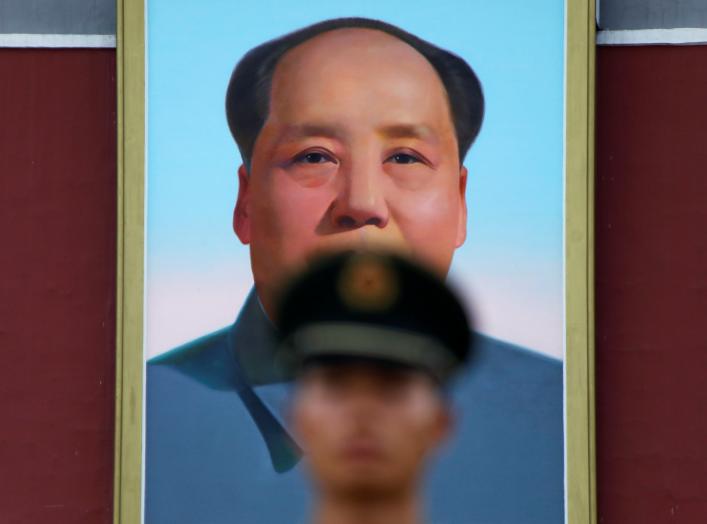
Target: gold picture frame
{"x": 579, "y": 256}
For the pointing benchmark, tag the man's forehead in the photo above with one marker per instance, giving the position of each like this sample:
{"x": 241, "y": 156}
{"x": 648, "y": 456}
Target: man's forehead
{"x": 356, "y": 54}
{"x": 355, "y": 74}
{"x": 352, "y": 41}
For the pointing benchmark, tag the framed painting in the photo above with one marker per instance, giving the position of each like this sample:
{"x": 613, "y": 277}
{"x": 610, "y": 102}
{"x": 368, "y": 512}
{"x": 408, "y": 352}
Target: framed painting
{"x": 253, "y": 135}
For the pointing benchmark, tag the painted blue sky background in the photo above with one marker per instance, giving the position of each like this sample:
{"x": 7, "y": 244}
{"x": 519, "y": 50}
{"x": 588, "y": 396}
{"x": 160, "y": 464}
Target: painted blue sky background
{"x": 198, "y": 272}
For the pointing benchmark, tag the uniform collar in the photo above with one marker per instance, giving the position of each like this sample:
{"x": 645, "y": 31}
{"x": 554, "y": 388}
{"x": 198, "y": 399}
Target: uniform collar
{"x": 253, "y": 339}
{"x": 252, "y": 343}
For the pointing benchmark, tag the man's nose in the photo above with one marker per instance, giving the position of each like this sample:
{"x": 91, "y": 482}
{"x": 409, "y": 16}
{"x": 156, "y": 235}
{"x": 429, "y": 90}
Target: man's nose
{"x": 361, "y": 200}
{"x": 365, "y": 405}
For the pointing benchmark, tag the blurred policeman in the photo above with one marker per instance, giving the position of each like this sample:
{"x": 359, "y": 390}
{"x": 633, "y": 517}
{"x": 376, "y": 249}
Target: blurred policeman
{"x": 372, "y": 341}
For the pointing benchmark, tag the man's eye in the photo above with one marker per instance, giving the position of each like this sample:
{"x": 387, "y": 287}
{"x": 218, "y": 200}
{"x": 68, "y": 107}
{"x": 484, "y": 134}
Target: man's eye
{"x": 404, "y": 158}
{"x": 313, "y": 157}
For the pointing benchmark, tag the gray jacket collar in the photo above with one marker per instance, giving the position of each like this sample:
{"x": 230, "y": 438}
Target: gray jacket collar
{"x": 253, "y": 339}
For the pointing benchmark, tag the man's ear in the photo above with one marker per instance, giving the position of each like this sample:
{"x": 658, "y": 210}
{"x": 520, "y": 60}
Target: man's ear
{"x": 461, "y": 225}
{"x": 290, "y": 415}
{"x": 288, "y": 412}
{"x": 241, "y": 213}
{"x": 446, "y": 423}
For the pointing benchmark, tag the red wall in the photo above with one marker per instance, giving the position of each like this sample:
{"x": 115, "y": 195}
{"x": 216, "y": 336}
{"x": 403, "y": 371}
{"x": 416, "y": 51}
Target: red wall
{"x": 651, "y": 284}
{"x": 57, "y": 294}
{"x": 57, "y": 291}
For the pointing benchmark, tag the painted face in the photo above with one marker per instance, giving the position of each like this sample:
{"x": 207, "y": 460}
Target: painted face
{"x": 358, "y": 151}
{"x": 366, "y": 430}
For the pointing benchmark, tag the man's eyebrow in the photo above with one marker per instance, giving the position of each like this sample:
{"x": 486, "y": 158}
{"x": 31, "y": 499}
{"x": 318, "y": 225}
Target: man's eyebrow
{"x": 419, "y": 131}
{"x": 295, "y": 131}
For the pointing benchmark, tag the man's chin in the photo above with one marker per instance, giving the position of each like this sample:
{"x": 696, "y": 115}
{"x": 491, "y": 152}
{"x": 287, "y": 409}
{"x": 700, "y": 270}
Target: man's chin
{"x": 368, "y": 488}
{"x": 359, "y": 246}
{"x": 268, "y": 281}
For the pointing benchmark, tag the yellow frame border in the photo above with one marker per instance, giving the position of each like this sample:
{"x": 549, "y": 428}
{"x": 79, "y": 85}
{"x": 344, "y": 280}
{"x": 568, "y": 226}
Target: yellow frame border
{"x": 580, "y": 458}
{"x": 130, "y": 63}
{"x": 579, "y": 261}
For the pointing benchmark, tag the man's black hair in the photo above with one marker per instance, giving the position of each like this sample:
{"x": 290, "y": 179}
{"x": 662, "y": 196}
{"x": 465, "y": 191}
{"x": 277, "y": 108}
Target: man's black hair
{"x": 248, "y": 94}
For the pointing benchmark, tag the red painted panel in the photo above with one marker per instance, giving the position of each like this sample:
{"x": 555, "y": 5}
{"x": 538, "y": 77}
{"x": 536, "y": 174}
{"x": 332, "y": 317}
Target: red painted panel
{"x": 57, "y": 292}
{"x": 651, "y": 284}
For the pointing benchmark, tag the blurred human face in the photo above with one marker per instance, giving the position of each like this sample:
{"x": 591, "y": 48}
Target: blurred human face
{"x": 366, "y": 430}
{"x": 358, "y": 152}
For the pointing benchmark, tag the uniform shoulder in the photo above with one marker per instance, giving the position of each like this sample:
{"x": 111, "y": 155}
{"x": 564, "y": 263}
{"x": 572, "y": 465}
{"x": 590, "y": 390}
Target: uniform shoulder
{"x": 190, "y": 350}
{"x": 512, "y": 358}
{"x": 205, "y": 359}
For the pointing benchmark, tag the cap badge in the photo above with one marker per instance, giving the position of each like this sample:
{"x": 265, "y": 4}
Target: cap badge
{"x": 368, "y": 284}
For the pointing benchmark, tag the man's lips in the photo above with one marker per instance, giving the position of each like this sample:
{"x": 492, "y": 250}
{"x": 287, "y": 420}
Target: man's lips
{"x": 363, "y": 238}
{"x": 362, "y": 449}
